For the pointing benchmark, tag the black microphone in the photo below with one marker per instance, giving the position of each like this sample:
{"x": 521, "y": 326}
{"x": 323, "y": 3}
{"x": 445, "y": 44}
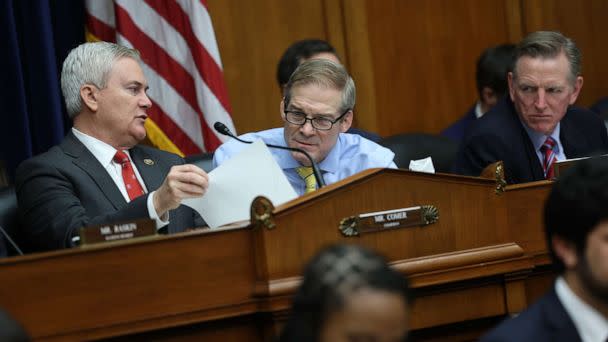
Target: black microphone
{"x": 222, "y": 129}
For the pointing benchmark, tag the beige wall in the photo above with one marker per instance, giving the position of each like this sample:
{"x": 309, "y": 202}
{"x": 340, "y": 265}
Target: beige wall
{"x": 413, "y": 61}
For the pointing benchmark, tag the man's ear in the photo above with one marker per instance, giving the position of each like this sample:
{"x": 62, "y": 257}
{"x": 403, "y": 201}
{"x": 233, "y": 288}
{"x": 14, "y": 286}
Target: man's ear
{"x": 511, "y": 86}
{"x": 578, "y": 85}
{"x": 282, "y": 108}
{"x": 346, "y": 121}
{"x": 89, "y": 95}
{"x": 488, "y": 96}
{"x": 565, "y": 251}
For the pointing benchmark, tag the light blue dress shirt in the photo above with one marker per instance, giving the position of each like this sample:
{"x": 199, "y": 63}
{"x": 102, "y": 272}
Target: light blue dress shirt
{"x": 351, "y": 154}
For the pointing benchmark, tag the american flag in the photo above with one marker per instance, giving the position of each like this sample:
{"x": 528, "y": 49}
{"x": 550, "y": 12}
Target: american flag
{"x": 181, "y": 62}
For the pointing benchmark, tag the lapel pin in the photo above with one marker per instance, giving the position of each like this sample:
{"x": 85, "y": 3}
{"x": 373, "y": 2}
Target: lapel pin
{"x": 148, "y": 161}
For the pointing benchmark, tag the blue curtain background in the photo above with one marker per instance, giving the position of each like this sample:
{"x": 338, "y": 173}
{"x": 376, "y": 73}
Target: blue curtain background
{"x": 38, "y": 35}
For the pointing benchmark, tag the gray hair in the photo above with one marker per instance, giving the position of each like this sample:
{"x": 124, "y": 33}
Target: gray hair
{"x": 323, "y": 72}
{"x": 549, "y": 44}
{"x": 89, "y": 63}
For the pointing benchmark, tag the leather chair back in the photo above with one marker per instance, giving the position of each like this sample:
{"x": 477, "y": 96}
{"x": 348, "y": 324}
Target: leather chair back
{"x": 203, "y": 160}
{"x": 412, "y": 146}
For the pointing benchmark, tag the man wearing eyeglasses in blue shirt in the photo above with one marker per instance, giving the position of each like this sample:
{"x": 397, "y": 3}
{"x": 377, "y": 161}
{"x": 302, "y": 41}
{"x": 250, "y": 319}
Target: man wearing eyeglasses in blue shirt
{"x": 317, "y": 111}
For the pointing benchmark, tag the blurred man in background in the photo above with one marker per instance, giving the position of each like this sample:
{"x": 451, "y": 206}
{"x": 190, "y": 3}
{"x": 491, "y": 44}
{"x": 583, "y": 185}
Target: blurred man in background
{"x": 491, "y": 72}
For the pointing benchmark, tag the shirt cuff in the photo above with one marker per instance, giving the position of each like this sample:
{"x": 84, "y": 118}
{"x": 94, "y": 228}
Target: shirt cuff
{"x": 160, "y": 221}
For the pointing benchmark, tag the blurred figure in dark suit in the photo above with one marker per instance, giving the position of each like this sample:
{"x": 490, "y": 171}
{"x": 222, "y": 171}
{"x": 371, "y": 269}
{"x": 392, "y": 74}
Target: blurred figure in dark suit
{"x": 491, "y": 76}
{"x": 576, "y": 226}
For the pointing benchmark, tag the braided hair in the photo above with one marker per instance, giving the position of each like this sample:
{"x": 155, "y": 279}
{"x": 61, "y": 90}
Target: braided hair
{"x": 329, "y": 278}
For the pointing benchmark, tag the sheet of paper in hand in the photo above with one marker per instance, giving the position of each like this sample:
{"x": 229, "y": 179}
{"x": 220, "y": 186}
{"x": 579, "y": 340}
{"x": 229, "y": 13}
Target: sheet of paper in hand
{"x": 234, "y": 184}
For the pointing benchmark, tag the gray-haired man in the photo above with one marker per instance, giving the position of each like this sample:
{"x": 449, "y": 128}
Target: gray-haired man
{"x": 99, "y": 174}
{"x": 317, "y": 110}
{"x": 535, "y": 126}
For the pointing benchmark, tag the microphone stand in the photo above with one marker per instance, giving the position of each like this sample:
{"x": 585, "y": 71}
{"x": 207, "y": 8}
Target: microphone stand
{"x": 223, "y": 129}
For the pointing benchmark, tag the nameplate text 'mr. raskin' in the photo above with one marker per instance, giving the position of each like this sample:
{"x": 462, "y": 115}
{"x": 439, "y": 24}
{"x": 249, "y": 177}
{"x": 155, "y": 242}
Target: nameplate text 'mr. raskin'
{"x": 117, "y": 231}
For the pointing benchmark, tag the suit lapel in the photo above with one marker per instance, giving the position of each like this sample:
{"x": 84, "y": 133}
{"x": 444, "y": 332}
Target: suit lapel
{"x": 148, "y": 167}
{"x": 84, "y": 159}
{"x": 558, "y": 322}
{"x": 535, "y": 168}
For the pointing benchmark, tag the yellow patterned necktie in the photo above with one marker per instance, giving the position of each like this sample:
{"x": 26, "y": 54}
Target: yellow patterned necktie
{"x": 305, "y": 172}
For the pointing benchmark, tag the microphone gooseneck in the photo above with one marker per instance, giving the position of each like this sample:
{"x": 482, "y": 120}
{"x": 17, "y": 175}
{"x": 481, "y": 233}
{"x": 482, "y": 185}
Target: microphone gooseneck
{"x": 223, "y": 129}
{"x": 10, "y": 241}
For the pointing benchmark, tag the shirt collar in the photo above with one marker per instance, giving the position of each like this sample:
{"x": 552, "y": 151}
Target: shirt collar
{"x": 538, "y": 139}
{"x": 478, "y": 112}
{"x": 589, "y": 323}
{"x": 101, "y": 150}
{"x": 331, "y": 162}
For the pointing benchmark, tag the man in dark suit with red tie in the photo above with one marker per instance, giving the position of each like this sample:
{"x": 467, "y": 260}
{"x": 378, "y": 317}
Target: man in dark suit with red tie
{"x": 535, "y": 126}
{"x": 99, "y": 174}
{"x": 576, "y": 226}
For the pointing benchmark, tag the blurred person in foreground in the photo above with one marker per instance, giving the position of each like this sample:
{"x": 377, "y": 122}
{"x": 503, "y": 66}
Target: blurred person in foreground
{"x": 576, "y": 227}
{"x": 349, "y": 293}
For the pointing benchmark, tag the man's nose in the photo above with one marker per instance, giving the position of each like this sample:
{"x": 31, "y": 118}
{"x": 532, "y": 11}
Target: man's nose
{"x": 541, "y": 99}
{"x": 307, "y": 128}
{"x": 145, "y": 101}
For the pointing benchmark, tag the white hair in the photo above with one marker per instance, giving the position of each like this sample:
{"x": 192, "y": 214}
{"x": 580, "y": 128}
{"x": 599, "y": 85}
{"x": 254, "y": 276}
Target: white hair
{"x": 89, "y": 63}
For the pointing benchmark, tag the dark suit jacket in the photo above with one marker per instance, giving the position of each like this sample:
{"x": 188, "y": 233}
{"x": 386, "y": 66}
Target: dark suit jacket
{"x": 545, "y": 320}
{"x": 500, "y": 135}
{"x": 457, "y": 130}
{"x": 67, "y": 188}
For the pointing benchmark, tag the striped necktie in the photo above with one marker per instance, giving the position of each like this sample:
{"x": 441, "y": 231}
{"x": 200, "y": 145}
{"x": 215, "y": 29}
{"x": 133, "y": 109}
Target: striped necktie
{"x": 548, "y": 157}
{"x": 306, "y": 173}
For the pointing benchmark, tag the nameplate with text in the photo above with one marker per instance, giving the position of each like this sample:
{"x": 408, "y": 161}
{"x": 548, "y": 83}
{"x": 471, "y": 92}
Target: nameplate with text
{"x": 562, "y": 165}
{"x": 389, "y": 219}
{"x": 117, "y": 231}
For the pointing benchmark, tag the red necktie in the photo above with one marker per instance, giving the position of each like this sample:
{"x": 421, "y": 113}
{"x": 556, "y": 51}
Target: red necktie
{"x": 134, "y": 189}
{"x": 548, "y": 157}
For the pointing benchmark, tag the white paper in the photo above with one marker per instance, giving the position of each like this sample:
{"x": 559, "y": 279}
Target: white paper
{"x": 422, "y": 165}
{"x": 234, "y": 184}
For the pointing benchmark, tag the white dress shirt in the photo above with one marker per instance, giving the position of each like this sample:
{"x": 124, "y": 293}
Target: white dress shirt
{"x": 590, "y": 324}
{"x": 478, "y": 112}
{"x": 104, "y": 153}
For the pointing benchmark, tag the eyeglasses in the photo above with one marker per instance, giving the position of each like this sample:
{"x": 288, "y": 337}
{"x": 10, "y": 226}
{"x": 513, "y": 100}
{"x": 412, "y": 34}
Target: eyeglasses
{"x": 322, "y": 124}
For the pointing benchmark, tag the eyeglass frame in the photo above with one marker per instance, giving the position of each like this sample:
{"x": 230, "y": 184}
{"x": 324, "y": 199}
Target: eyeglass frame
{"x": 312, "y": 120}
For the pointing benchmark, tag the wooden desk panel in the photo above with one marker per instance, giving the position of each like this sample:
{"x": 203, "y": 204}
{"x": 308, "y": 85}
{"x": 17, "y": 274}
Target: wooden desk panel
{"x": 240, "y": 280}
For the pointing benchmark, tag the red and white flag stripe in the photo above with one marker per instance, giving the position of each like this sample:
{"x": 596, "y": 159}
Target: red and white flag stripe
{"x": 181, "y": 61}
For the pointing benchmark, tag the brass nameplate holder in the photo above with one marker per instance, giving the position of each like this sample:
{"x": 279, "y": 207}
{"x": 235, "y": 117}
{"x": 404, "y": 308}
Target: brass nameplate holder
{"x": 261, "y": 213}
{"x": 116, "y": 231}
{"x": 389, "y": 219}
{"x": 496, "y": 171}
